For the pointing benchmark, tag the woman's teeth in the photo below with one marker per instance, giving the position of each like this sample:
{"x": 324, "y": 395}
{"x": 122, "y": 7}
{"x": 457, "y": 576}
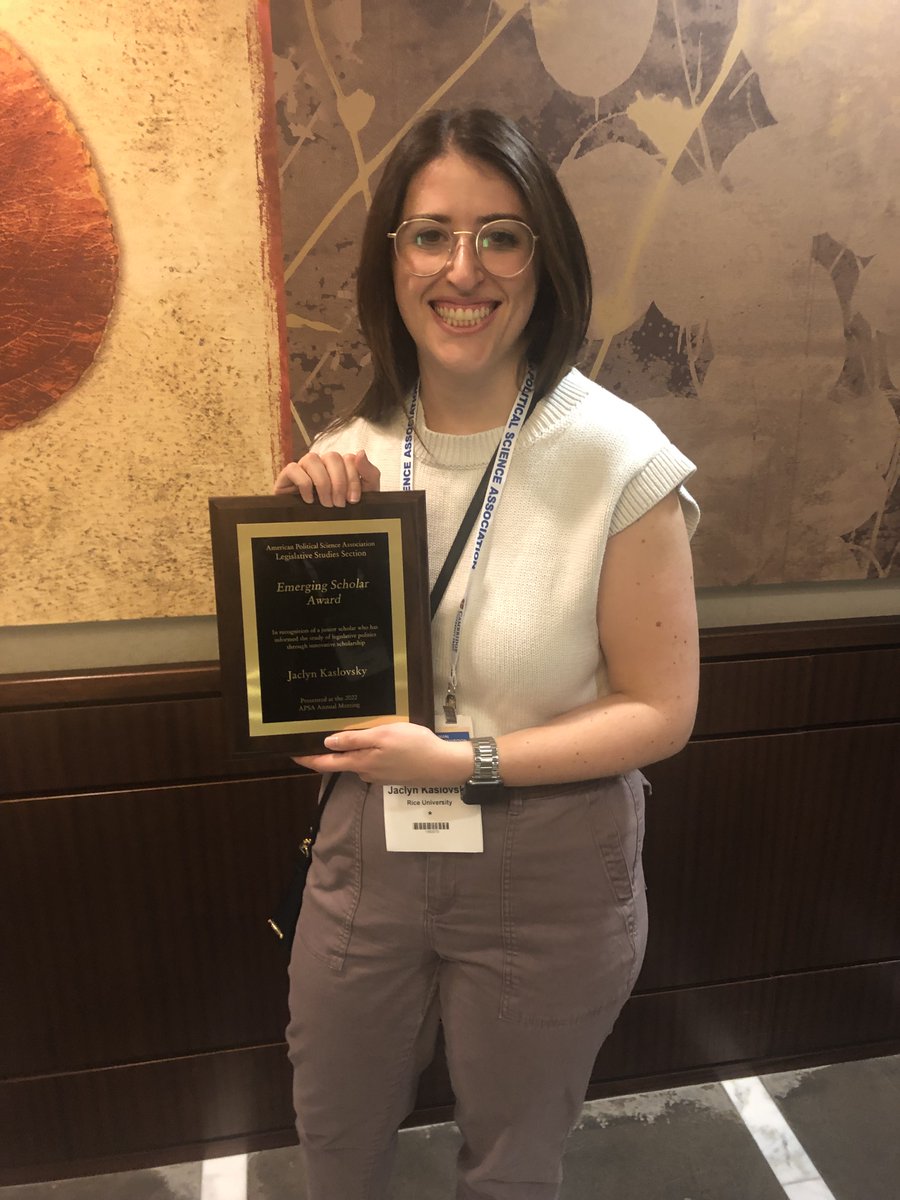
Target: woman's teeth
{"x": 463, "y": 316}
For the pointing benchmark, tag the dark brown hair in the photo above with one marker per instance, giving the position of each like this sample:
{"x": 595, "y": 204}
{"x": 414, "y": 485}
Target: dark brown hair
{"x": 558, "y": 322}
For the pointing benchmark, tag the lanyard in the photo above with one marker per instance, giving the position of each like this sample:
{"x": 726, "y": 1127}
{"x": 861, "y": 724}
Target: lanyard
{"x": 494, "y": 490}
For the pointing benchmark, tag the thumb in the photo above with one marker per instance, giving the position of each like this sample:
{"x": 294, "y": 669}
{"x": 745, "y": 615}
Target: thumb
{"x": 369, "y": 475}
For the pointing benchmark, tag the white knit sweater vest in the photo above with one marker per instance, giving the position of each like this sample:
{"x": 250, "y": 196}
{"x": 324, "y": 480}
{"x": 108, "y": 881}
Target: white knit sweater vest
{"x": 585, "y": 466}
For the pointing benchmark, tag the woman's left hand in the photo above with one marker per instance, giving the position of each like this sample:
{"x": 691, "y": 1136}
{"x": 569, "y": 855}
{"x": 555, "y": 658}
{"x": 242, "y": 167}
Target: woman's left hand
{"x": 400, "y": 753}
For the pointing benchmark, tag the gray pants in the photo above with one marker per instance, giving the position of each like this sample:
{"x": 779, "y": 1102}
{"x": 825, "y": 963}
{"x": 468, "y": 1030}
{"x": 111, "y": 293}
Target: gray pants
{"x": 525, "y": 953}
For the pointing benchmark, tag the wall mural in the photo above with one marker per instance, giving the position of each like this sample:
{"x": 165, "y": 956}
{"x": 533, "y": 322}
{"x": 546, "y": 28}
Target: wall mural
{"x": 735, "y": 169}
{"x": 140, "y": 365}
{"x": 58, "y": 253}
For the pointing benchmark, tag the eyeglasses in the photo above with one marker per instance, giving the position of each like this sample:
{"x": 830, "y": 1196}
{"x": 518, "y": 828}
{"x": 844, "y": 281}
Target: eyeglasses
{"x": 424, "y": 247}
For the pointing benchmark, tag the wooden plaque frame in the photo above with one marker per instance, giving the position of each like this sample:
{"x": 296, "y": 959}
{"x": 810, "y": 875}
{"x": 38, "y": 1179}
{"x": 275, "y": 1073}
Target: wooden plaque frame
{"x": 323, "y": 617}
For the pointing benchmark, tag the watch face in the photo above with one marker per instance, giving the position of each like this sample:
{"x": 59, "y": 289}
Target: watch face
{"x": 482, "y": 793}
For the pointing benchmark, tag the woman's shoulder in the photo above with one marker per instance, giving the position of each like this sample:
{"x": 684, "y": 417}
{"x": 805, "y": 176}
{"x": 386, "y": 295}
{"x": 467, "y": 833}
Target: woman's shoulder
{"x": 587, "y": 413}
{"x": 601, "y": 437}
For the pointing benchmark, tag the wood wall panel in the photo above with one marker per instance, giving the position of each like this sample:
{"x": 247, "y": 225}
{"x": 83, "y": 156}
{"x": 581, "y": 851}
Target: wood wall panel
{"x": 138, "y": 1114}
{"x": 792, "y": 637}
{"x": 103, "y": 684}
{"x": 138, "y": 922}
{"x": 233, "y": 1101}
{"x": 792, "y": 692}
{"x": 142, "y": 998}
{"x": 767, "y": 854}
{"x": 728, "y": 1030}
{"x": 107, "y": 745}
{"x": 855, "y": 686}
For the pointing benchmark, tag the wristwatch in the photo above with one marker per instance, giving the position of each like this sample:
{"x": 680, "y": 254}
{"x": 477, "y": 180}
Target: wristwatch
{"x": 485, "y": 783}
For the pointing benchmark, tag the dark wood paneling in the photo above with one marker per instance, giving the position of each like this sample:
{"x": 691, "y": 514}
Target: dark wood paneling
{"x": 142, "y": 998}
{"x": 135, "y": 922}
{"x": 169, "y": 1110}
{"x": 792, "y": 692}
{"x": 791, "y": 637}
{"x": 202, "y": 1105}
{"x": 732, "y": 1029}
{"x": 773, "y": 854}
{"x": 108, "y": 745}
{"x": 855, "y": 686}
{"x": 752, "y": 695}
{"x": 102, "y": 684}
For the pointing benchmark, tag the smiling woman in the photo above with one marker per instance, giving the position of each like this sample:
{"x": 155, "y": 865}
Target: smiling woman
{"x": 566, "y": 642}
{"x": 468, "y": 323}
{"x": 523, "y": 187}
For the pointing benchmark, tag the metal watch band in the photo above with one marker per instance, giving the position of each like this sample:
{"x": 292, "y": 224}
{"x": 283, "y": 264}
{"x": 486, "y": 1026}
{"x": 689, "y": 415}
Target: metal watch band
{"x": 487, "y": 761}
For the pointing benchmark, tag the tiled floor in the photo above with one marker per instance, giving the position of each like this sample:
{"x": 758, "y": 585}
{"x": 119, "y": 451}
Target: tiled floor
{"x": 829, "y": 1133}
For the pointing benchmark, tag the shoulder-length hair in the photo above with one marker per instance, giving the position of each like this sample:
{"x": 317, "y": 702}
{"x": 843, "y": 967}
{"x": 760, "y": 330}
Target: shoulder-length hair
{"x": 558, "y": 322}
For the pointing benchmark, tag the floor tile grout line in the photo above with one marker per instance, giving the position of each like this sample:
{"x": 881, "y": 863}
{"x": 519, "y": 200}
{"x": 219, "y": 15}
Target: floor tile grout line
{"x": 224, "y": 1178}
{"x": 775, "y": 1138}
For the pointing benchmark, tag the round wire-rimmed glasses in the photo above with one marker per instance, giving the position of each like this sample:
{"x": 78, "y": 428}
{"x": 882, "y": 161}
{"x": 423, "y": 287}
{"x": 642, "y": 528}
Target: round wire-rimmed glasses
{"x": 424, "y": 247}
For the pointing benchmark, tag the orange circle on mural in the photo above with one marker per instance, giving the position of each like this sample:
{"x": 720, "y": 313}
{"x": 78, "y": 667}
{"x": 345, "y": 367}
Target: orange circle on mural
{"x": 58, "y": 253}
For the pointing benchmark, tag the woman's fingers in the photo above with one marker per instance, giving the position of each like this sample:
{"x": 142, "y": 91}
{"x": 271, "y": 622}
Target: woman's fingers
{"x": 324, "y": 764}
{"x": 337, "y": 748}
{"x": 354, "y": 482}
{"x": 369, "y": 475}
{"x": 291, "y": 478}
{"x": 395, "y": 753}
{"x": 329, "y": 474}
{"x": 309, "y": 477}
{"x": 362, "y": 476}
{"x": 331, "y": 478}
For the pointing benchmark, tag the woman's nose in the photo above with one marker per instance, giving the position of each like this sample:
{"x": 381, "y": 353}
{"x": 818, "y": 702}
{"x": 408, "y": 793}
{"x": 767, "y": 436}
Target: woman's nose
{"x": 464, "y": 268}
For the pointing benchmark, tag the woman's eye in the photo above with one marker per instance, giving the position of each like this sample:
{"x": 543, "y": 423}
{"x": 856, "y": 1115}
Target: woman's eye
{"x": 431, "y": 239}
{"x": 500, "y": 239}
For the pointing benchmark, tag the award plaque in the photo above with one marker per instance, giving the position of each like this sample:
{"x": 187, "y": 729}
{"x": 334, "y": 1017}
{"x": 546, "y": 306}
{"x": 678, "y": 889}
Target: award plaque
{"x": 323, "y": 617}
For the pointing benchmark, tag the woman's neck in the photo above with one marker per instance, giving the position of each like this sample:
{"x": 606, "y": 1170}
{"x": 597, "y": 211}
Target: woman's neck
{"x": 454, "y": 403}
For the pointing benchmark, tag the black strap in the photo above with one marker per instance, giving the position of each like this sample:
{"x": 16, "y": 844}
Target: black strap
{"x": 329, "y": 787}
{"x": 462, "y": 536}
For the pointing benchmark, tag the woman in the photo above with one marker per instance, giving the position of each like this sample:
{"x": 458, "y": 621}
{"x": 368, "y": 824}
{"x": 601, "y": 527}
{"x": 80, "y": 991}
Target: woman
{"x": 574, "y": 660}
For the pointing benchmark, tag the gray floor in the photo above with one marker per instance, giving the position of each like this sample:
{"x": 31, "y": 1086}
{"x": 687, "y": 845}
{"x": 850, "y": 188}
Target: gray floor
{"x": 683, "y": 1144}
{"x": 847, "y": 1117}
{"x": 673, "y": 1145}
{"x": 181, "y": 1182}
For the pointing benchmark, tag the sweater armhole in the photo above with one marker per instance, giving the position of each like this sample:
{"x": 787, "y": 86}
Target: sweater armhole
{"x": 666, "y": 471}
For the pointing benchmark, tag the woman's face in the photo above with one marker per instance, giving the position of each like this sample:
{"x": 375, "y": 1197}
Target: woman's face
{"x": 464, "y": 320}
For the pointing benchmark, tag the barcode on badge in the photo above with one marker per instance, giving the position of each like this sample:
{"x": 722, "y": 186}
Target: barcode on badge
{"x": 431, "y": 826}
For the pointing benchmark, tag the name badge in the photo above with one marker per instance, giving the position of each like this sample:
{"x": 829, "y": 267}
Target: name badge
{"x": 433, "y": 819}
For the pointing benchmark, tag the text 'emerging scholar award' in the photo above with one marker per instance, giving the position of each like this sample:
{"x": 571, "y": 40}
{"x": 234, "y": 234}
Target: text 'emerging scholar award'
{"x": 323, "y": 617}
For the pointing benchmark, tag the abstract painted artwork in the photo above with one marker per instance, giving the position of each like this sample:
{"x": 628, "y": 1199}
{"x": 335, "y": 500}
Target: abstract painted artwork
{"x": 140, "y": 357}
{"x": 735, "y": 167}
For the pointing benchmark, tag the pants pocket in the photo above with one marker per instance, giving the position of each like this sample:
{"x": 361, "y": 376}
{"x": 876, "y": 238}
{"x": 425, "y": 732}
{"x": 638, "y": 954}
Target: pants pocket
{"x": 574, "y": 920}
{"x": 617, "y": 818}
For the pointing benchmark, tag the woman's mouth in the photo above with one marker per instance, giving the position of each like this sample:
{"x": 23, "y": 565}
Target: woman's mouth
{"x": 464, "y": 316}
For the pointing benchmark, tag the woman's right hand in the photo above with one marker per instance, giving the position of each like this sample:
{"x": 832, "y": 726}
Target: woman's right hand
{"x": 333, "y": 479}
